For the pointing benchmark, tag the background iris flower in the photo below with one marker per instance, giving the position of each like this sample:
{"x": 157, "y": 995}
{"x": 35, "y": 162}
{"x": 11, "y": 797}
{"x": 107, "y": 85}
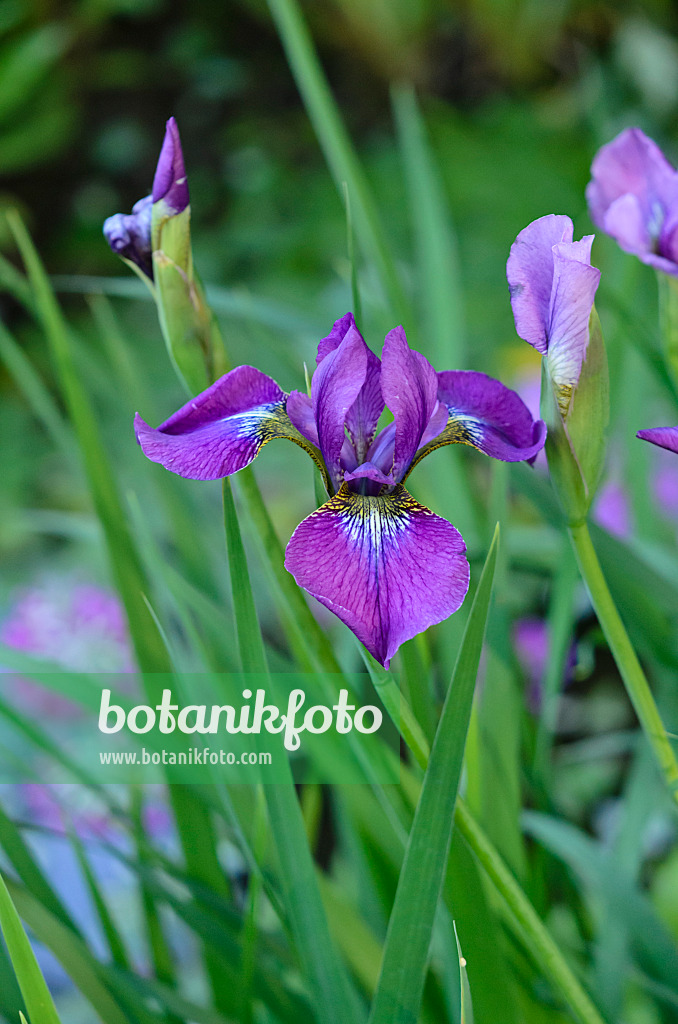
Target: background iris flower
{"x": 384, "y": 564}
{"x": 633, "y": 196}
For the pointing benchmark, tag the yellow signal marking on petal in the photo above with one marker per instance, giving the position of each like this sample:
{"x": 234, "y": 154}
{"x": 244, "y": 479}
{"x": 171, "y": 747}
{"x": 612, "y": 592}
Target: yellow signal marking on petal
{"x": 459, "y": 430}
{"x": 275, "y": 423}
{"x": 373, "y": 518}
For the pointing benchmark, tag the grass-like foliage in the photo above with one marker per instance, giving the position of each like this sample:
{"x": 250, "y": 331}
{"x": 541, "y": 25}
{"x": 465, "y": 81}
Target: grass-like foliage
{"x": 521, "y": 865}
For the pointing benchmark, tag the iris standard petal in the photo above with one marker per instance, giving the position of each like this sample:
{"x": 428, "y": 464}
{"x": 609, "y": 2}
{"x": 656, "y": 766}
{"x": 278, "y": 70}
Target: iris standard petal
{"x": 575, "y": 283}
{"x": 665, "y": 437}
{"x": 385, "y": 565}
{"x": 340, "y": 329}
{"x": 335, "y": 386}
{"x": 170, "y": 183}
{"x": 363, "y": 416}
{"x": 300, "y": 411}
{"x": 632, "y": 164}
{"x": 222, "y": 430}
{"x": 529, "y": 271}
{"x": 410, "y": 389}
{"x": 487, "y": 415}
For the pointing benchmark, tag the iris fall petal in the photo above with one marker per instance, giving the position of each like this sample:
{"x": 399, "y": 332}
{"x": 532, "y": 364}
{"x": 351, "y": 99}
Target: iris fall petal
{"x": 223, "y": 429}
{"x": 385, "y": 565}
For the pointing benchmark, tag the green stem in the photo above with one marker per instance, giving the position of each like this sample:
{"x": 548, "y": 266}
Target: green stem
{"x": 416, "y": 680}
{"x": 161, "y": 954}
{"x": 520, "y": 914}
{"x": 629, "y": 667}
{"x": 350, "y": 240}
{"x": 398, "y": 709}
{"x": 249, "y": 931}
{"x": 437, "y": 264}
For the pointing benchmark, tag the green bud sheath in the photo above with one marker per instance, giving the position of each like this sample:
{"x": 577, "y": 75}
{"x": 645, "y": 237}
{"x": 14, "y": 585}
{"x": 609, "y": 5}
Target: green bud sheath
{"x": 188, "y": 325}
{"x": 576, "y": 442}
{"x": 140, "y": 274}
{"x": 668, "y": 321}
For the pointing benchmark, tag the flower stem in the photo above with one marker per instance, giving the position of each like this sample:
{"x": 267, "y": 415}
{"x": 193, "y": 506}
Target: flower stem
{"x": 629, "y": 667}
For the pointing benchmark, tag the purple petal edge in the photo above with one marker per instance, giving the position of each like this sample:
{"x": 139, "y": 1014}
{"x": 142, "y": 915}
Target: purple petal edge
{"x": 491, "y": 417}
{"x": 219, "y": 431}
{"x": 664, "y": 437}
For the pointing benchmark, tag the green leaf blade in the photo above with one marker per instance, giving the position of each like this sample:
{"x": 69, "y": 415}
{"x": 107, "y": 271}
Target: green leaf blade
{"x": 36, "y": 995}
{"x": 466, "y": 1003}
{"x": 403, "y": 972}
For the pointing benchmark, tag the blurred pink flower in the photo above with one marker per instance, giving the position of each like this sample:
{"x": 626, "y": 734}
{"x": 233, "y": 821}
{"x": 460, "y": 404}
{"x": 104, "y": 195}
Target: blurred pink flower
{"x": 52, "y": 805}
{"x": 78, "y": 626}
{"x": 528, "y": 385}
{"x": 665, "y": 484}
{"x": 531, "y": 640}
{"x": 532, "y": 647}
{"x": 612, "y": 509}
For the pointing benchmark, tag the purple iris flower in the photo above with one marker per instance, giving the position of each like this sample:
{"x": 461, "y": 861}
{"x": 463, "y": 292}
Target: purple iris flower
{"x": 384, "y": 564}
{"x": 664, "y": 437}
{"x": 552, "y": 286}
{"x": 129, "y": 234}
{"x": 633, "y": 196}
